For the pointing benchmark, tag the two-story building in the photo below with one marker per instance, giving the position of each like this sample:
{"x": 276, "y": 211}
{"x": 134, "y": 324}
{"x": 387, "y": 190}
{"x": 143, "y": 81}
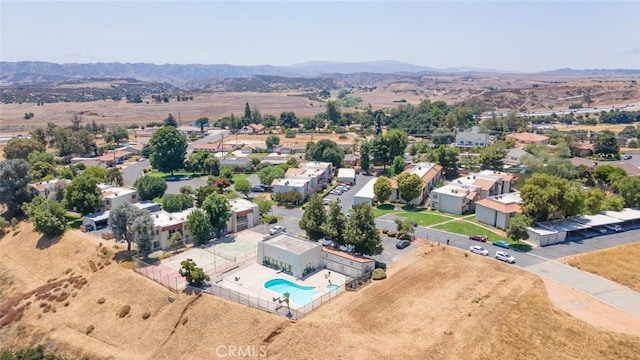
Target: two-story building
{"x": 113, "y": 196}
{"x": 244, "y": 215}
{"x": 303, "y": 186}
{"x": 47, "y": 189}
{"x": 514, "y": 157}
{"x": 469, "y": 140}
{"x": 429, "y": 173}
{"x": 454, "y": 199}
{"x": 498, "y": 210}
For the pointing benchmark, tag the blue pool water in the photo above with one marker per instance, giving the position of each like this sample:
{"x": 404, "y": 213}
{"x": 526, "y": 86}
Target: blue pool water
{"x": 333, "y": 287}
{"x": 300, "y": 295}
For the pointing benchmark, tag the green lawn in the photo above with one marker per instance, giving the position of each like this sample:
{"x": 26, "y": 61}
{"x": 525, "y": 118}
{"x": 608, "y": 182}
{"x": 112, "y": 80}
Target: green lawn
{"x": 383, "y": 209}
{"x": 423, "y": 218}
{"x": 175, "y": 173}
{"x": 467, "y": 228}
{"x": 237, "y": 177}
{"x": 73, "y": 222}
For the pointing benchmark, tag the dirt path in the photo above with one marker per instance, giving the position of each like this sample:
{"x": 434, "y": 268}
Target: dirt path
{"x": 590, "y": 310}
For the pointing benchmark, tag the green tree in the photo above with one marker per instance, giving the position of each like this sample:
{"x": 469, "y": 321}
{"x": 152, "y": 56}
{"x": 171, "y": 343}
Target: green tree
{"x": 272, "y": 140}
{"x": 226, "y": 172}
{"x": 14, "y": 177}
{"x": 518, "y": 227}
{"x": 114, "y": 176}
{"x": 168, "y": 149}
{"x": 404, "y": 227}
{"x": 386, "y": 147}
{"x": 314, "y": 216}
{"x": 593, "y": 201}
{"x": 382, "y": 189}
{"x": 202, "y": 192}
{"x": 607, "y": 143}
{"x": 361, "y": 231}
{"x": 264, "y": 205}
{"x": 269, "y": 173}
{"x": 20, "y": 148}
{"x": 447, "y": 157}
{"x": 143, "y": 230}
{"x": 247, "y": 112}
{"x": 492, "y": 157}
{"x": 37, "y": 156}
{"x": 194, "y": 275}
{"x": 41, "y": 170}
{"x": 546, "y": 197}
{"x": 218, "y": 210}
{"x": 170, "y": 121}
{"x": 211, "y": 166}
{"x": 199, "y": 227}
{"x": 243, "y": 186}
{"x": 627, "y": 188}
{"x": 97, "y": 172}
{"x": 288, "y": 120}
{"x": 336, "y": 222}
{"x": 121, "y": 219}
{"x": 326, "y": 151}
{"x": 174, "y": 240}
{"x": 333, "y": 112}
{"x": 175, "y": 203}
{"x": 409, "y": 186}
{"x": 365, "y": 157}
{"x": 48, "y": 216}
{"x": 83, "y": 194}
{"x": 613, "y": 203}
{"x": 397, "y": 166}
{"x": 150, "y": 187}
{"x": 202, "y": 122}
{"x": 607, "y": 174}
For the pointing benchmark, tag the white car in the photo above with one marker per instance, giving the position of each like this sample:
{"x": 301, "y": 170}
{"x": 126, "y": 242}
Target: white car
{"x": 479, "y": 250}
{"x": 277, "y": 229}
{"x": 504, "y": 256}
{"x": 614, "y": 227}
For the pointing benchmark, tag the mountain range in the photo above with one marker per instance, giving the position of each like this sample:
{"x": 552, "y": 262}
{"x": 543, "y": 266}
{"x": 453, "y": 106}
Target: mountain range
{"x": 178, "y": 74}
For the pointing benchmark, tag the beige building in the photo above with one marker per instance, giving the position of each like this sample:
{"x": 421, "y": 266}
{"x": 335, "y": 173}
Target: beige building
{"x": 430, "y": 174}
{"x": 244, "y": 215}
{"x": 498, "y": 210}
{"x": 113, "y": 196}
{"x": 292, "y": 255}
{"x": 345, "y": 263}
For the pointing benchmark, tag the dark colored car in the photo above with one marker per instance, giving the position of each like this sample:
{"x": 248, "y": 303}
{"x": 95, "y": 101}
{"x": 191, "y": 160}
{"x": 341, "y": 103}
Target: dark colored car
{"x": 402, "y": 244}
{"x": 480, "y": 238}
{"x": 257, "y": 189}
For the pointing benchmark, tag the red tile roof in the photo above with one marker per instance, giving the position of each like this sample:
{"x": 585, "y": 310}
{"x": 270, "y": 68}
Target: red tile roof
{"x": 499, "y": 206}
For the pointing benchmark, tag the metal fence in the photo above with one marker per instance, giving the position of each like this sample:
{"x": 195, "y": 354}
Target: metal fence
{"x": 275, "y": 305}
{"x": 159, "y": 273}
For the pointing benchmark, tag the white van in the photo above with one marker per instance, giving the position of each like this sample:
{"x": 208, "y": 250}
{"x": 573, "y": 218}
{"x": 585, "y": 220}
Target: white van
{"x": 614, "y": 227}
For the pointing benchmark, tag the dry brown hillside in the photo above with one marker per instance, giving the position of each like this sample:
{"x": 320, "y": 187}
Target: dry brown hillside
{"x": 436, "y": 304}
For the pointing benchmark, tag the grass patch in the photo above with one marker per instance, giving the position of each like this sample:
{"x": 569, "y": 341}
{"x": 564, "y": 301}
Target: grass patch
{"x": 466, "y": 228}
{"x": 257, "y": 155}
{"x": 73, "y": 222}
{"x": 237, "y": 177}
{"x": 271, "y": 219}
{"x": 424, "y": 219}
{"x": 383, "y": 209}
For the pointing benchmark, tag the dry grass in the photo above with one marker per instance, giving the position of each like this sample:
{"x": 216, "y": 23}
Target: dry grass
{"x": 300, "y": 139}
{"x": 619, "y": 264}
{"x": 434, "y": 304}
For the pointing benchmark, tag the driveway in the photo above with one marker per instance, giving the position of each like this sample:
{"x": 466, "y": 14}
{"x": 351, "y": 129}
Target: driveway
{"x": 346, "y": 199}
{"x": 134, "y": 171}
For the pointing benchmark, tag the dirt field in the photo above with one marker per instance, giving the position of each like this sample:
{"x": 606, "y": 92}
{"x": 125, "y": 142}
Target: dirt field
{"x": 619, "y": 264}
{"x": 300, "y": 139}
{"x": 436, "y": 304}
{"x": 616, "y": 128}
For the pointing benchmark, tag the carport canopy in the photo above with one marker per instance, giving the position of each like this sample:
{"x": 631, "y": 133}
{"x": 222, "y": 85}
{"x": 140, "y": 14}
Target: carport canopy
{"x": 596, "y": 220}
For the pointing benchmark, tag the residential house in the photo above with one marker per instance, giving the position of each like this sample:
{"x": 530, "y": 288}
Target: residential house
{"x": 323, "y": 171}
{"x": 290, "y": 149}
{"x": 244, "y": 215}
{"x": 586, "y": 148}
{"x": 47, "y": 189}
{"x": 351, "y": 159}
{"x": 468, "y": 140}
{"x": 303, "y": 186}
{"x": 254, "y": 129}
{"x": 215, "y": 148}
{"x": 506, "y": 181}
{"x": 100, "y": 219}
{"x": 192, "y": 130}
{"x": 115, "y": 157}
{"x": 514, "y": 157}
{"x": 345, "y": 263}
{"x": 292, "y": 255}
{"x": 239, "y": 161}
{"x": 113, "y": 196}
{"x": 498, "y": 210}
{"x": 254, "y": 147}
{"x": 591, "y": 165}
{"x": 528, "y": 138}
{"x": 275, "y": 159}
{"x": 430, "y": 174}
{"x": 454, "y": 199}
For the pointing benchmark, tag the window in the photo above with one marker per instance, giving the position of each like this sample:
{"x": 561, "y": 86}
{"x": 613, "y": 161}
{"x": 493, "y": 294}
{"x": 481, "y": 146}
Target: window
{"x": 133, "y": 196}
{"x": 156, "y": 244}
{"x": 108, "y": 202}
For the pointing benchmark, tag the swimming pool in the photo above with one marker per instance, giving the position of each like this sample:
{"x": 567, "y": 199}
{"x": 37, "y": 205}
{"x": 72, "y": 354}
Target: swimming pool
{"x": 333, "y": 287}
{"x": 298, "y": 294}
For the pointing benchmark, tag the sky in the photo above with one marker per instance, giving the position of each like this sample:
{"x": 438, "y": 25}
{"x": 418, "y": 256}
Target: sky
{"x": 504, "y": 35}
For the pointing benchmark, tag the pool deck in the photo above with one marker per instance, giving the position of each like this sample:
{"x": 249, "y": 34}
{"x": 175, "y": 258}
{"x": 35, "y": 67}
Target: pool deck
{"x": 251, "y": 279}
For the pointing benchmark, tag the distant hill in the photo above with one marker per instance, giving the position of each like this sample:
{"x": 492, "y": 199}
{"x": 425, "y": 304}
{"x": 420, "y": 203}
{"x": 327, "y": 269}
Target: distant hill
{"x": 591, "y": 72}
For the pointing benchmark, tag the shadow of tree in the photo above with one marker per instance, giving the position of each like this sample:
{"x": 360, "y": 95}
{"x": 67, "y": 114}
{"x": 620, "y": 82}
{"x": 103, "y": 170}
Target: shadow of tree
{"x": 45, "y": 243}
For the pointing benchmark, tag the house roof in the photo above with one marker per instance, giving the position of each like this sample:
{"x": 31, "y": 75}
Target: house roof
{"x": 485, "y": 184}
{"x": 113, "y": 192}
{"x": 110, "y": 156}
{"x": 503, "y": 207}
{"x": 585, "y": 146}
{"x": 527, "y": 137}
{"x": 239, "y": 204}
{"x": 577, "y": 161}
{"x": 346, "y": 172}
{"x": 257, "y": 127}
{"x": 291, "y": 244}
{"x": 347, "y": 255}
{"x": 496, "y": 174}
{"x": 294, "y": 172}
{"x": 471, "y": 195}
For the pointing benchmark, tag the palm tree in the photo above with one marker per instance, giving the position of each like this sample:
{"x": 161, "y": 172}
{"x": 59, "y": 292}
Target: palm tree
{"x": 286, "y": 296}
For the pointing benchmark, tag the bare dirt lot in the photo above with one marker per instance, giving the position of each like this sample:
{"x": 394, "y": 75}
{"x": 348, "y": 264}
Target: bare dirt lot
{"x": 436, "y": 304}
{"x": 619, "y": 264}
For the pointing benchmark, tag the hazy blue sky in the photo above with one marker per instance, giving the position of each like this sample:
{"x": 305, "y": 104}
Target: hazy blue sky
{"x": 517, "y": 36}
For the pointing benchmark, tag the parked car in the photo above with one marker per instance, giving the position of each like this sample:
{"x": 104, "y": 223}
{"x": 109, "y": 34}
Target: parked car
{"x": 614, "y": 227}
{"x": 402, "y": 244}
{"x": 350, "y": 248}
{"x": 480, "y": 238}
{"x": 257, "y": 189}
{"x": 185, "y": 178}
{"x": 504, "y": 256}
{"x": 89, "y": 227}
{"x": 601, "y": 230}
{"x": 479, "y": 250}
{"x": 326, "y": 201}
{"x": 277, "y": 229}
{"x": 336, "y": 192}
{"x": 627, "y": 157}
{"x": 501, "y": 244}
{"x": 170, "y": 178}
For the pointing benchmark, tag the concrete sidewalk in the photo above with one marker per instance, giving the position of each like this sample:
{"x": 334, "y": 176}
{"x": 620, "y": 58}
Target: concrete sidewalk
{"x": 605, "y": 290}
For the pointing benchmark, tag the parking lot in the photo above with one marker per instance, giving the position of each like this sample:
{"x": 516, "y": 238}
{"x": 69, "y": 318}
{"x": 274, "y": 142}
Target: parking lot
{"x": 346, "y": 199}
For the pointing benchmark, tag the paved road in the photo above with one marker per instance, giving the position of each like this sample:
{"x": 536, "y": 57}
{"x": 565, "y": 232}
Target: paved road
{"x": 173, "y": 187}
{"x": 581, "y": 246}
{"x": 133, "y": 172}
{"x": 346, "y": 199}
{"x": 214, "y": 135}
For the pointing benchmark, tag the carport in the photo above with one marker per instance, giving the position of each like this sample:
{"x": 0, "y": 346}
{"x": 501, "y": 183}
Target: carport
{"x": 630, "y": 218}
{"x": 597, "y": 220}
{"x": 558, "y": 231}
